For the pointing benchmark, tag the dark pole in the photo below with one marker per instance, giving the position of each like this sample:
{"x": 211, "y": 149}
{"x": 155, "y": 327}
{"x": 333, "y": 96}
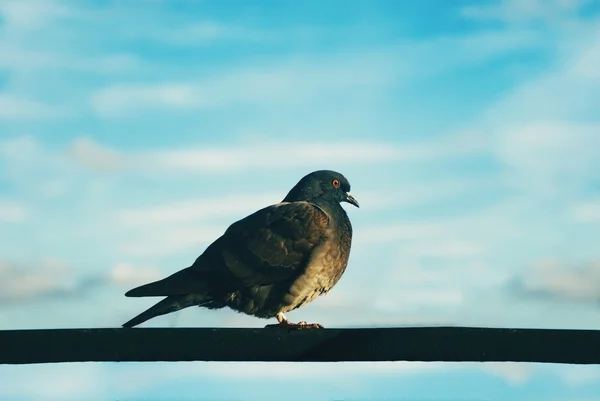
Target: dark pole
{"x": 325, "y": 345}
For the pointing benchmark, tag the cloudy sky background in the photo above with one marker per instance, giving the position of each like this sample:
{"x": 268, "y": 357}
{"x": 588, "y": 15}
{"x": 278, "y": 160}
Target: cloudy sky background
{"x": 132, "y": 133}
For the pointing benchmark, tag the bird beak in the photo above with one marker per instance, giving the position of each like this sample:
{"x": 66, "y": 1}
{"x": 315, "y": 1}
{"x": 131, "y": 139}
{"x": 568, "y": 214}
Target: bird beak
{"x": 350, "y": 199}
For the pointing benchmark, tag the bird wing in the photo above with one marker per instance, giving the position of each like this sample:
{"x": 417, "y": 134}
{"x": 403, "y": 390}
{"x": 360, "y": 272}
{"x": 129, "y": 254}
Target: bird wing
{"x": 268, "y": 246}
{"x": 275, "y": 243}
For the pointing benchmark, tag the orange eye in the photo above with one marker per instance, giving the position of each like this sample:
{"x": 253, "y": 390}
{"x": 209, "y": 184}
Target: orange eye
{"x": 335, "y": 183}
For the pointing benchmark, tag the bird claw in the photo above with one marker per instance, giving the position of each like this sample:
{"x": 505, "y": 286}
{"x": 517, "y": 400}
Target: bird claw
{"x": 297, "y": 326}
{"x": 305, "y": 325}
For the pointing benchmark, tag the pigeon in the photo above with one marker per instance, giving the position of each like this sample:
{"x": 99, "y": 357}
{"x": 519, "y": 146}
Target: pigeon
{"x": 273, "y": 261}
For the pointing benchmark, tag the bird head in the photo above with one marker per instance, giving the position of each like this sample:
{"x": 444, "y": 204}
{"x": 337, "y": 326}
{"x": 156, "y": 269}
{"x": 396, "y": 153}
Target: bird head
{"x": 326, "y": 184}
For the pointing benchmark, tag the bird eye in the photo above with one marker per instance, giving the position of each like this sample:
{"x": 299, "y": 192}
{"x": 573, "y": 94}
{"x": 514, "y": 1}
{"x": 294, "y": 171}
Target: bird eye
{"x": 335, "y": 183}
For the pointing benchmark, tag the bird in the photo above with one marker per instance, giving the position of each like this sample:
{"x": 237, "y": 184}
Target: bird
{"x": 270, "y": 262}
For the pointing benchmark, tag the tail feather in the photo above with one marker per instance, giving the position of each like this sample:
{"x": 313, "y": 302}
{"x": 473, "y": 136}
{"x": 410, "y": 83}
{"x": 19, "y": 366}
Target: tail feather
{"x": 186, "y": 281}
{"x": 155, "y": 288}
{"x": 169, "y": 304}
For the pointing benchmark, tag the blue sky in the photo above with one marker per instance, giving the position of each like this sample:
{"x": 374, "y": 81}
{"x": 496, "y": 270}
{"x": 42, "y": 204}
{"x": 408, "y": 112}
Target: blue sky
{"x": 132, "y": 133}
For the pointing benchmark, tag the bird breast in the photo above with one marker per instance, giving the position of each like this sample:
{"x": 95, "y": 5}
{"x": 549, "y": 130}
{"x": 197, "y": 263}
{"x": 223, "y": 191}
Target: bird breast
{"x": 323, "y": 271}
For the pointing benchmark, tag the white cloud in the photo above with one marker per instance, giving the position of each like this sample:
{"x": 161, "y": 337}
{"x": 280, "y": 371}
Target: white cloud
{"x": 564, "y": 282}
{"x": 26, "y": 60}
{"x": 511, "y": 372}
{"x": 419, "y": 193}
{"x": 36, "y": 172}
{"x": 449, "y": 275}
{"x": 133, "y": 380}
{"x": 398, "y": 231}
{"x": 172, "y": 240}
{"x": 451, "y": 248}
{"x": 265, "y": 156}
{"x": 31, "y": 14}
{"x": 128, "y": 274}
{"x": 201, "y": 32}
{"x": 583, "y": 65}
{"x": 550, "y": 159}
{"x": 289, "y": 82}
{"x": 254, "y": 370}
{"x": 94, "y": 156}
{"x": 411, "y": 286}
{"x": 446, "y": 238}
{"x": 416, "y": 299}
{"x": 577, "y": 375}
{"x": 515, "y": 373}
{"x": 59, "y": 381}
{"x": 18, "y": 147}
{"x": 39, "y": 62}
{"x": 16, "y": 108}
{"x": 53, "y": 188}
{"x": 524, "y": 10}
{"x": 305, "y": 78}
{"x": 122, "y": 99}
{"x": 20, "y": 282}
{"x": 545, "y": 129}
{"x": 435, "y": 265}
{"x": 11, "y": 211}
{"x": 586, "y": 212}
{"x": 197, "y": 209}
{"x": 551, "y": 148}
{"x": 285, "y": 154}
{"x": 137, "y": 380}
{"x": 53, "y": 279}
{"x": 314, "y": 153}
{"x": 11, "y": 56}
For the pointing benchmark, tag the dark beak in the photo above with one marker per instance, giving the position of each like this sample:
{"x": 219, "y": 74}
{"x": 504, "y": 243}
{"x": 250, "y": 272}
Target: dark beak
{"x": 350, "y": 199}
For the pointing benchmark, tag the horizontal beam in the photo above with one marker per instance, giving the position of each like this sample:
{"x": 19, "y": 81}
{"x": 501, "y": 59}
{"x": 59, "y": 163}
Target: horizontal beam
{"x": 466, "y": 344}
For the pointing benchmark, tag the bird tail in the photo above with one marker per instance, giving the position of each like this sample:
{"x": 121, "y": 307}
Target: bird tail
{"x": 186, "y": 281}
{"x": 169, "y": 304}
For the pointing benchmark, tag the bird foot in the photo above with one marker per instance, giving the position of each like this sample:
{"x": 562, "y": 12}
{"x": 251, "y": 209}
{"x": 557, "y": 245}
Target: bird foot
{"x": 297, "y": 326}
